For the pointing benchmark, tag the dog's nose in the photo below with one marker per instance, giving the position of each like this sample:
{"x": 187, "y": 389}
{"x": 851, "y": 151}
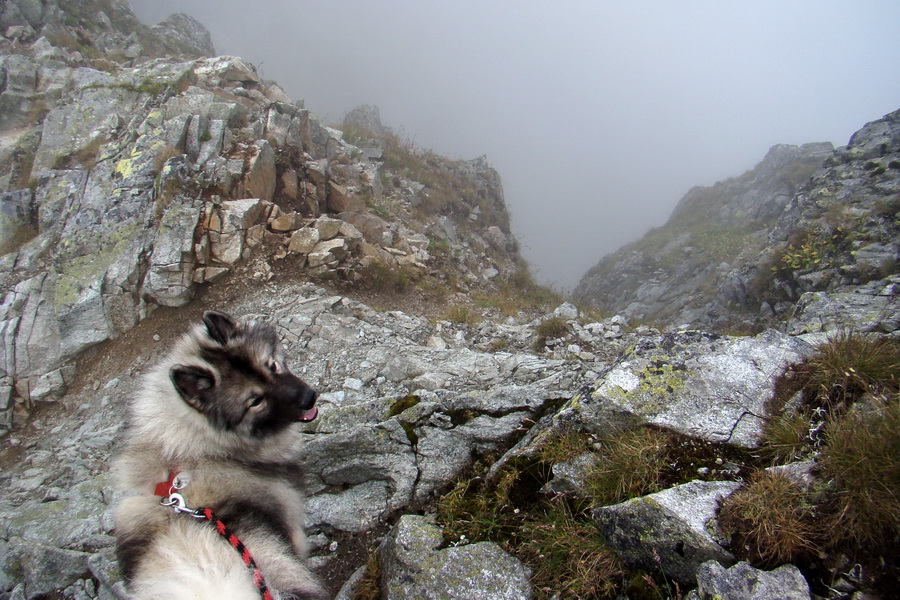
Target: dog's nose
{"x": 308, "y": 398}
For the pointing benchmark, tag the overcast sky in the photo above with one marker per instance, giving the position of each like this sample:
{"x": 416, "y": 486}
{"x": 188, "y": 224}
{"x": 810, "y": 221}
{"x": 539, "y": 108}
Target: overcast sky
{"x": 598, "y": 115}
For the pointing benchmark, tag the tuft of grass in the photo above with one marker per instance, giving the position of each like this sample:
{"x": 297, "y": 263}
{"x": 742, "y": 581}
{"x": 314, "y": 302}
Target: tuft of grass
{"x": 386, "y": 278}
{"x": 370, "y": 586}
{"x": 852, "y": 364}
{"x": 771, "y": 517}
{"x": 474, "y": 512}
{"x": 460, "y": 313}
{"x": 632, "y": 465}
{"x": 843, "y": 370}
{"x": 554, "y": 327}
{"x": 568, "y": 555}
{"x": 786, "y": 438}
{"x": 559, "y": 448}
{"x": 862, "y": 459}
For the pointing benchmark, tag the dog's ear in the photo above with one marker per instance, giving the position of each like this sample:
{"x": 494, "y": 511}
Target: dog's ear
{"x": 195, "y": 384}
{"x": 220, "y": 326}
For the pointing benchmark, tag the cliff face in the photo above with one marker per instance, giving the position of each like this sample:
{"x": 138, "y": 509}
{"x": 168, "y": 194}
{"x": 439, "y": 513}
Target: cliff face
{"x": 742, "y": 252}
{"x": 130, "y": 182}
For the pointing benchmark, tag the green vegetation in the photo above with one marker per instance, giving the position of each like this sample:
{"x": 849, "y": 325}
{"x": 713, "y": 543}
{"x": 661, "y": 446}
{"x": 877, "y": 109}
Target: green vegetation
{"x": 633, "y": 464}
{"x": 861, "y": 456}
{"x": 815, "y": 249}
{"x": 556, "y": 536}
{"x": 559, "y": 542}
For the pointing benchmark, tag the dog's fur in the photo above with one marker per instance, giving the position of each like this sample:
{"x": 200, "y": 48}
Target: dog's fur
{"x": 221, "y": 408}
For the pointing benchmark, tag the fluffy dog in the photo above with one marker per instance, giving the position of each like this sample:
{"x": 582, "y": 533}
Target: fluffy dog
{"x": 213, "y": 429}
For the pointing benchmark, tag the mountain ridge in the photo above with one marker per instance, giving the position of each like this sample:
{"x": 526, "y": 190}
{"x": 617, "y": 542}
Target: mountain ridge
{"x": 732, "y": 255}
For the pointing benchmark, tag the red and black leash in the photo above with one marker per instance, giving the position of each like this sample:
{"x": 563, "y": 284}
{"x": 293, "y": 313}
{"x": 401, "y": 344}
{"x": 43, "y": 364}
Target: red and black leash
{"x": 238, "y": 545}
{"x": 171, "y": 498}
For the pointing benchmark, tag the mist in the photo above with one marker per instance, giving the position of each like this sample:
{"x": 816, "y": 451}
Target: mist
{"x": 598, "y": 116}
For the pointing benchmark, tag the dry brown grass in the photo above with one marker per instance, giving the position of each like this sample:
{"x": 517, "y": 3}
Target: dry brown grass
{"x": 772, "y": 518}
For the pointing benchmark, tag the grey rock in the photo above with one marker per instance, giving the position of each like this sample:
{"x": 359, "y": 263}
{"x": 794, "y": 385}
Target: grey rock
{"x": 368, "y": 118}
{"x": 260, "y": 182}
{"x": 187, "y": 34}
{"x": 304, "y": 240}
{"x": 830, "y": 312}
{"x": 46, "y": 568}
{"x": 703, "y": 385}
{"x": 228, "y": 225}
{"x": 341, "y": 199}
{"x": 169, "y": 280}
{"x": 673, "y": 530}
{"x": 743, "y": 582}
{"x": 414, "y": 568}
{"x": 570, "y": 476}
{"x": 16, "y": 217}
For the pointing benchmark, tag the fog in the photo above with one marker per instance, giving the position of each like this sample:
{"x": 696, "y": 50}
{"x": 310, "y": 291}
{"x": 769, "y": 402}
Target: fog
{"x": 598, "y": 115}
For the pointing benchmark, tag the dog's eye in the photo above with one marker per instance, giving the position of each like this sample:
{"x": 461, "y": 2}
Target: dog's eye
{"x": 257, "y": 401}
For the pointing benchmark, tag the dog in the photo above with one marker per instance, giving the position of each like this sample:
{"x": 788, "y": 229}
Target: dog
{"x": 212, "y": 434}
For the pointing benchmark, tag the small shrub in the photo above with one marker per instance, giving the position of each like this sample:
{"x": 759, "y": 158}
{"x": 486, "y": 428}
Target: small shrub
{"x": 772, "y": 519}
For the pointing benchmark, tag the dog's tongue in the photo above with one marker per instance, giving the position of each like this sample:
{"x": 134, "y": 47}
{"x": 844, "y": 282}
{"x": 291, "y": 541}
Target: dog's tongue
{"x": 309, "y": 415}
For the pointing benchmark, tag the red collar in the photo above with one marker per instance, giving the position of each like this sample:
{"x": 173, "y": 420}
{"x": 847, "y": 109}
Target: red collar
{"x": 164, "y": 488}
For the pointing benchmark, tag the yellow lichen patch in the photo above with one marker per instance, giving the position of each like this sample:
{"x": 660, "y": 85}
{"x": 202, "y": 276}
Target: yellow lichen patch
{"x": 644, "y": 387}
{"x": 80, "y": 272}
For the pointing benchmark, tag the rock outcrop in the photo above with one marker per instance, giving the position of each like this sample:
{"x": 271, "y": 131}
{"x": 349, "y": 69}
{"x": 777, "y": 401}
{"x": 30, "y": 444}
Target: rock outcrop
{"x": 741, "y": 254}
{"x": 129, "y": 185}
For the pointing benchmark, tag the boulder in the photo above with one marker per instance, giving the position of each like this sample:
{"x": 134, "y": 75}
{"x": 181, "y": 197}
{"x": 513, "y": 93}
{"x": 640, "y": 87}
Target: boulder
{"x": 415, "y": 568}
{"x": 673, "y": 531}
{"x": 304, "y": 240}
{"x": 287, "y": 222}
{"x": 169, "y": 280}
{"x": 187, "y": 34}
{"x": 328, "y": 228}
{"x": 743, "y": 582}
{"x": 340, "y": 199}
{"x": 700, "y": 384}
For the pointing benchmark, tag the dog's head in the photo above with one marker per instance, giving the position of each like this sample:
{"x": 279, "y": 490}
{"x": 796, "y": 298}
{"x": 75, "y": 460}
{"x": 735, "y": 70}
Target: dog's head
{"x": 239, "y": 381}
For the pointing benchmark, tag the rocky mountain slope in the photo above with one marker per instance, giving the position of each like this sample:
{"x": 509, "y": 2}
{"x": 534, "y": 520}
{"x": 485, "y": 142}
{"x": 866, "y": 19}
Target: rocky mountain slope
{"x": 742, "y": 253}
{"x": 474, "y": 441}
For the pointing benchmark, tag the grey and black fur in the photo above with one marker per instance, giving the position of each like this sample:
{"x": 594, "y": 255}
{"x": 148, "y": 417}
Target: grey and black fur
{"x": 222, "y": 409}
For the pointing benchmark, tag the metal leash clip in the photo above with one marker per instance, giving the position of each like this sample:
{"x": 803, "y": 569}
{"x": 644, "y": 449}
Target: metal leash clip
{"x": 177, "y": 503}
